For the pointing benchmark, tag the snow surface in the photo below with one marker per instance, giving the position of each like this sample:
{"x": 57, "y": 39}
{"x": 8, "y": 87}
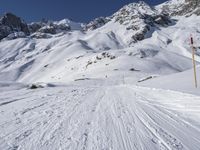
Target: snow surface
{"x": 94, "y": 91}
{"x": 171, "y": 6}
{"x": 99, "y": 117}
{"x": 183, "y": 81}
{"x": 74, "y": 55}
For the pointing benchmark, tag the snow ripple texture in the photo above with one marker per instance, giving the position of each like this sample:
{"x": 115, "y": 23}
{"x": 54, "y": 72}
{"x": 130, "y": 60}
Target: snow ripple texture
{"x": 102, "y": 118}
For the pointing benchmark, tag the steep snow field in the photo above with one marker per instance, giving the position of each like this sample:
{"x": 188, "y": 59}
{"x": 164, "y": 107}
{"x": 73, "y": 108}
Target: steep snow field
{"x": 99, "y": 90}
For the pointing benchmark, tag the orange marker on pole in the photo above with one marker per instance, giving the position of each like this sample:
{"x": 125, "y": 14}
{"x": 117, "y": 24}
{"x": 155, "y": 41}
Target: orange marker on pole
{"x": 193, "y": 60}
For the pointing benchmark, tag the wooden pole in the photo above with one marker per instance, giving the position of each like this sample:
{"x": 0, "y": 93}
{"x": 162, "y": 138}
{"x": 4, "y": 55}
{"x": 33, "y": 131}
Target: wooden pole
{"x": 194, "y": 62}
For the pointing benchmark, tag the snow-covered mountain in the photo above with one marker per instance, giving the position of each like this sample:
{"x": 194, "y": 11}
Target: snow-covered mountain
{"x": 180, "y": 7}
{"x": 137, "y": 36}
{"x": 10, "y": 24}
{"x": 133, "y": 21}
{"x": 95, "y": 82}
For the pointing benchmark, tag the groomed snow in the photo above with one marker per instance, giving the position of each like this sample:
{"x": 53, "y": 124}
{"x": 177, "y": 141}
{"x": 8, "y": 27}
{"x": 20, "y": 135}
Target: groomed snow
{"x": 92, "y": 91}
{"x": 121, "y": 117}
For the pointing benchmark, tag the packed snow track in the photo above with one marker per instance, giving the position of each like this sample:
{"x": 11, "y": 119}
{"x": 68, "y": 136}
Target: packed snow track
{"x": 99, "y": 118}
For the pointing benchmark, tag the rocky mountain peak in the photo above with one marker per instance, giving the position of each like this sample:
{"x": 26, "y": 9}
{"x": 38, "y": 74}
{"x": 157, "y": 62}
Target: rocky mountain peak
{"x": 137, "y": 19}
{"x": 12, "y": 27}
{"x": 10, "y": 23}
{"x": 140, "y": 7}
{"x": 180, "y": 7}
{"x": 11, "y": 20}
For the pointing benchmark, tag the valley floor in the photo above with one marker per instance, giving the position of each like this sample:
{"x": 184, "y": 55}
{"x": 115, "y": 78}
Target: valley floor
{"x": 120, "y": 117}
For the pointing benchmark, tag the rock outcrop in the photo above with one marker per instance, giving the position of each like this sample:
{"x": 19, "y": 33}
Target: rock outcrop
{"x": 180, "y": 7}
{"x": 136, "y": 18}
{"x": 9, "y": 24}
{"x": 48, "y": 27}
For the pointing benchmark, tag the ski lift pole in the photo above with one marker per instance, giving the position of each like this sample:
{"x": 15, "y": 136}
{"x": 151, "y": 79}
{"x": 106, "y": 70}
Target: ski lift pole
{"x": 193, "y": 61}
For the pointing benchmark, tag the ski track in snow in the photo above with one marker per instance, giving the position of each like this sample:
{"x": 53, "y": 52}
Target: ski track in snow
{"x": 112, "y": 117}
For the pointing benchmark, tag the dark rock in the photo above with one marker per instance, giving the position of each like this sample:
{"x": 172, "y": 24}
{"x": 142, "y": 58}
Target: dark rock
{"x": 138, "y": 36}
{"x": 140, "y": 22}
{"x": 9, "y": 23}
{"x": 112, "y": 57}
{"x": 187, "y": 8}
{"x": 15, "y": 35}
{"x": 48, "y": 29}
{"x": 162, "y": 19}
{"x": 35, "y": 86}
{"x": 34, "y": 27}
{"x": 133, "y": 69}
{"x": 98, "y": 22}
{"x": 39, "y": 35}
{"x": 14, "y": 22}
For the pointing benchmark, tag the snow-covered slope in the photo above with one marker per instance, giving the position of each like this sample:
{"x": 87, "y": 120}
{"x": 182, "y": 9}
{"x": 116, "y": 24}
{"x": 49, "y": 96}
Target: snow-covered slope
{"x": 67, "y": 85}
{"x": 99, "y": 117}
{"x": 132, "y": 23}
{"x": 98, "y": 53}
{"x": 183, "y": 81}
{"x": 180, "y": 7}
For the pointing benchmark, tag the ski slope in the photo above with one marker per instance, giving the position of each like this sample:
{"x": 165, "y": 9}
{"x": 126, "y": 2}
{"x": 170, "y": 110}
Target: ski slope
{"x": 183, "y": 82}
{"x": 117, "y": 117}
{"x": 99, "y": 89}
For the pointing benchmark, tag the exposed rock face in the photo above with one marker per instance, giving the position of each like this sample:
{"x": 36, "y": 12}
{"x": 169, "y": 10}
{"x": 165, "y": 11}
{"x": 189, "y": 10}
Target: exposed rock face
{"x": 140, "y": 18}
{"x": 191, "y": 6}
{"x": 15, "y": 35}
{"x": 39, "y": 35}
{"x": 13, "y": 27}
{"x": 48, "y": 27}
{"x": 98, "y": 22}
{"x": 181, "y": 7}
{"x": 34, "y": 27}
{"x": 10, "y": 23}
{"x": 137, "y": 18}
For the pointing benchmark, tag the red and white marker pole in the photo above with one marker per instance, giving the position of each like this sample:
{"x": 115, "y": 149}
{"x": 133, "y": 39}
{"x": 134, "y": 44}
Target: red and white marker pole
{"x": 193, "y": 60}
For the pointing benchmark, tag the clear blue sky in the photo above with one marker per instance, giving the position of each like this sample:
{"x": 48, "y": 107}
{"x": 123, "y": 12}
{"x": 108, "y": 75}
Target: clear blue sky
{"x": 77, "y": 10}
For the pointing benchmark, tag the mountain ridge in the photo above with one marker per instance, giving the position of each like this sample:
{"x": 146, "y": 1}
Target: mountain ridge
{"x": 180, "y": 7}
{"x": 123, "y": 82}
{"x": 137, "y": 39}
{"x": 129, "y": 13}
